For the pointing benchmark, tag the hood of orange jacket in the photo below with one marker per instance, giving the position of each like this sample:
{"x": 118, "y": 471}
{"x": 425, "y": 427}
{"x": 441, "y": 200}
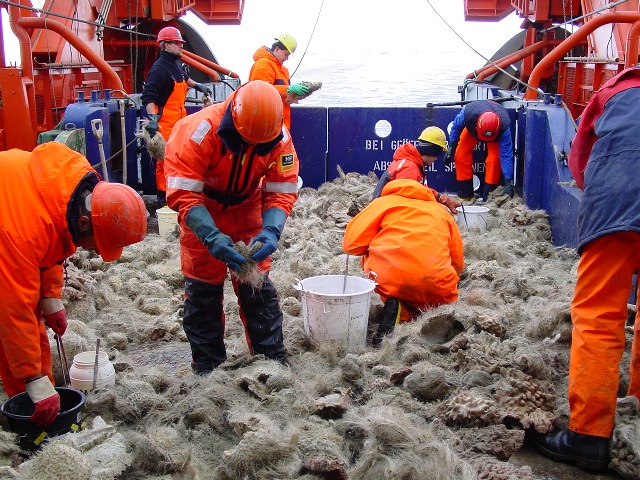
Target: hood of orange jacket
{"x": 408, "y": 151}
{"x": 35, "y": 191}
{"x": 409, "y": 189}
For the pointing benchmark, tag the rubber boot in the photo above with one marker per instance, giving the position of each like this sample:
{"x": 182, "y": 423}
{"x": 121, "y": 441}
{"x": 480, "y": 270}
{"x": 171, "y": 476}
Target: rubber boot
{"x": 390, "y": 316}
{"x": 262, "y": 316}
{"x": 487, "y": 189}
{"x": 586, "y": 451}
{"x": 161, "y": 196}
{"x": 203, "y": 323}
{"x": 465, "y": 189}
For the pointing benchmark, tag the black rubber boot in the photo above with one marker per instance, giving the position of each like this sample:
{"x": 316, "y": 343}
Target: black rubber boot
{"x": 487, "y": 189}
{"x": 161, "y": 196}
{"x": 586, "y": 451}
{"x": 390, "y": 314}
{"x": 465, "y": 189}
{"x": 203, "y": 324}
{"x": 263, "y": 319}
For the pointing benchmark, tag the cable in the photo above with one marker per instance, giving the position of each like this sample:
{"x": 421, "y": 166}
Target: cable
{"x": 310, "y": 37}
{"x": 538, "y": 90}
{"x": 74, "y": 19}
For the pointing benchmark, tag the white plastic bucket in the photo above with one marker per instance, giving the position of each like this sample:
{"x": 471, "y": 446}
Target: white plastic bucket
{"x": 473, "y": 217}
{"x": 82, "y": 371}
{"x": 336, "y": 310}
{"x": 167, "y": 222}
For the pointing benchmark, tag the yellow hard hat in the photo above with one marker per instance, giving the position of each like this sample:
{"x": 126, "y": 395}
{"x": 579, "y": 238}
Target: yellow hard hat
{"x": 288, "y": 41}
{"x": 434, "y": 135}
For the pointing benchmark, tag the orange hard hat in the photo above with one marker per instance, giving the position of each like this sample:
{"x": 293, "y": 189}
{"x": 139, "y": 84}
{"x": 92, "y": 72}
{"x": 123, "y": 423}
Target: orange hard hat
{"x": 119, "y": 218}
{"x": 169, "y": 34}
{"x": 257, "y": 111}
{"x": 488, "y": 126}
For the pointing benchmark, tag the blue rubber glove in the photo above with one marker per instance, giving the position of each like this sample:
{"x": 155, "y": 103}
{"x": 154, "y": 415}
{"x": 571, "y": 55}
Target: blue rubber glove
{"x": 152, "y": 126}
{"x": 273, "y": 220}
{"x": 450, "y": 156}
{"x": 220, "y": 246}
{"x": 298, "y": 89}
{"x": 203, "y": 89}
{"x": 508, "y": 187}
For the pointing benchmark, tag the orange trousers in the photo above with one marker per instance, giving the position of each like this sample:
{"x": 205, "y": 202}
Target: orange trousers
{"x": 13, "y": 385}
{"x": 464, "y": 159}
{"x": 599, "y": 314}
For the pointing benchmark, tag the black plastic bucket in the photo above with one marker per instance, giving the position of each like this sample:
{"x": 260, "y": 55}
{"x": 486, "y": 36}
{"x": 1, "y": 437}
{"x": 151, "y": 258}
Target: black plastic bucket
{"x": 19, "y": 408}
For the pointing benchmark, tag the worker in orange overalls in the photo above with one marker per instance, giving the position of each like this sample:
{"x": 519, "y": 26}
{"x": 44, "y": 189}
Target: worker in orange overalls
{"x": 409, "y": 161}
{"x": 51, "y": 202}
{"x": 488, "y": 122}
{"x": 412, "y": 248}
{"x": 605, "y": 160}
{"x": 268, "y": 66}
{"x": 163, "y": 95}
{"x": 232, "y": 175}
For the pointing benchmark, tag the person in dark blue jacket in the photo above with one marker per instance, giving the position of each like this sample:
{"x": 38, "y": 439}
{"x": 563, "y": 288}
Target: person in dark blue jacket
{"x": 164, "y": 93}
{"x": 605, "y": 161}
{"x": 488, "y": 122}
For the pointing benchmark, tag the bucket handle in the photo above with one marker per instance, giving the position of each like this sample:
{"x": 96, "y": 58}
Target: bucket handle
{"x": 298, "y": 285}
{"x": 464, "y": 215}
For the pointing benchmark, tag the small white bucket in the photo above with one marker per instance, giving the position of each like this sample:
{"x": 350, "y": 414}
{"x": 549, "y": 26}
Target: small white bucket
{"x": 167, "y": 222}
{"x": 82, "y": 371}
{"x": 335, "y": 310}
{"x": 472, "y": 217}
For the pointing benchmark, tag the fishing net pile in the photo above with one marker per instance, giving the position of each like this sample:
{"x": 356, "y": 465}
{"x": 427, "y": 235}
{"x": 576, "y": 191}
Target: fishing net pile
{"x": 450, "y": 395}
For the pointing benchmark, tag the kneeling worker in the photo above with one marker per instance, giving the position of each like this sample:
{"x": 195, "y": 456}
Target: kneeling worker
{"x": 412, "y": 248}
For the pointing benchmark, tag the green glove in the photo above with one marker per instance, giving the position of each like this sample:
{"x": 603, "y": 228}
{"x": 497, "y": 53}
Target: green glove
{"x": 508, "y": 187}
{"x": 220, "y": 246}
{"x": 203, "y": 89}
{"x": 273, "y": 221}
{"x": 152, "y": 126}
{"x": 298, "y": 89}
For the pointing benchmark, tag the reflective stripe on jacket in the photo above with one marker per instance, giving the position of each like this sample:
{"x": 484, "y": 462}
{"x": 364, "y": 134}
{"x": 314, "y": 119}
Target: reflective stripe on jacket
{"x": 35, "y": 190}
{"x": 197, "y": 158}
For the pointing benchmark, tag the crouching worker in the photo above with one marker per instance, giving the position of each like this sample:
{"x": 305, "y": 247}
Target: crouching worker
{"x": 411, "y": 247}
{"x": 232, "y": 174}
{"x": 409, "y": 161}
{"x": 51, "y": 202}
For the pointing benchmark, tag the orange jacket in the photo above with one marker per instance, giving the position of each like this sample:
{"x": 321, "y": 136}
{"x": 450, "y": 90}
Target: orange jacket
{"x": 411, "y": 243}
{"x": 267, "y": 68}
{"x": 407, "y": 163}
{"x": 198, "y": 164}
{"x": 35, "y": 190}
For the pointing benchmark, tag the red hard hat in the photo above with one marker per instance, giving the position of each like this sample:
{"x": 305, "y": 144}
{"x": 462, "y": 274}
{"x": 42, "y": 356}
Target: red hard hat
{"x": 488, "y": 126}
{"x": 257, "y": 111}
{"x": 169, "y": 34}
{"x": 119, "y": 218}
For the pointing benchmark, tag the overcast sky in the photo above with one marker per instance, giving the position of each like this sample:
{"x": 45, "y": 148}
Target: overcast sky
{"x": 347, "y": 28}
